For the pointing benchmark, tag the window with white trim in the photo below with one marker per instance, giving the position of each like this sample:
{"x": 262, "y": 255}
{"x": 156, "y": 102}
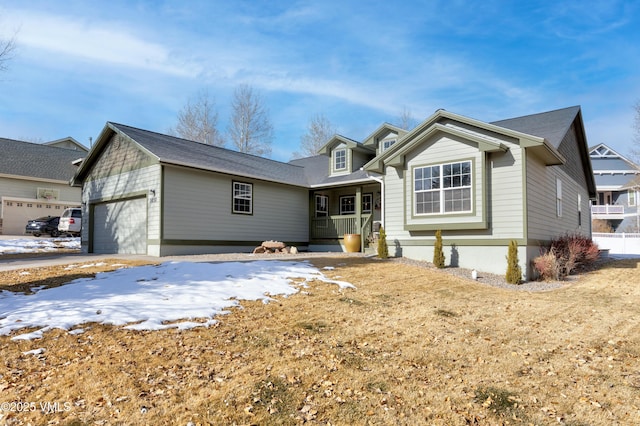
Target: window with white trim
{"x": 322, "y": 206}
{"x": 340, "y": 159}
{"x": 367, "y": 203}
{"x": 558, "y": 198}
{"x": 631, "y": 194}
{"x": 442, "y": 188}
{"x": 348, "y": 204}
{"x": 387, "y": 144}
{"x": 242, "y": 198}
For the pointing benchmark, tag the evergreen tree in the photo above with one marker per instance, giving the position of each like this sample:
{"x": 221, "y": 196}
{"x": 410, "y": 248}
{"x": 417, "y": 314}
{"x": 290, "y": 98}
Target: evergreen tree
{"x": 383, "y": 249}
{"x": 514, "y": 272}
{"x": 438, "y": 254}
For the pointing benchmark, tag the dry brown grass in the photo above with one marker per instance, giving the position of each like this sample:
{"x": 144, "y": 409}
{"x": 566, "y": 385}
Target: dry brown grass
{"x": 410, "y": 346}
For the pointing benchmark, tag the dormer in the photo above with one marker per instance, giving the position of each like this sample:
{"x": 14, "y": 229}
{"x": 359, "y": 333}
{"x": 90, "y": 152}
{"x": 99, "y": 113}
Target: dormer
{"x": 346, "y": 155}
{"x": 384, "y": 137}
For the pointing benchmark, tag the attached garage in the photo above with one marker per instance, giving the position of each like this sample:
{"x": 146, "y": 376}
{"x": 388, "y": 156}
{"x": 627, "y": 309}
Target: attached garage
{"x": 120, "y": 226}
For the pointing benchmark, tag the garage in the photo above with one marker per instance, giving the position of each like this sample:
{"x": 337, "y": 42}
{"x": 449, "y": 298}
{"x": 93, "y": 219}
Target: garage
{"x": 120, "y": 227}
{"x": 17, "y": 211}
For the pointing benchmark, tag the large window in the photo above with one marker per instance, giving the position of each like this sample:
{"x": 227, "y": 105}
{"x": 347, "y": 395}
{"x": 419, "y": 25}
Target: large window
{"x": 340, "y": 159}
{"x": 242, "y": 198}
{"x": 442, "y": 188}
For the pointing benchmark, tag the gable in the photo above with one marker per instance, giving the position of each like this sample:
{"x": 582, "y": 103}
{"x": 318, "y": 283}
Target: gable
{"x": 118, "y": 154}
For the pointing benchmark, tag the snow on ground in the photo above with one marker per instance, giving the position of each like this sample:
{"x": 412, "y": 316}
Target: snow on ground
{"x": 30, "y": 245}
{"x": 154, "y": 297}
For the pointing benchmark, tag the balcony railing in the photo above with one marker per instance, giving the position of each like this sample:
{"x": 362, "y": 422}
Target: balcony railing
{"x": 337, "y": 226}
{"x": 607, "y": 209}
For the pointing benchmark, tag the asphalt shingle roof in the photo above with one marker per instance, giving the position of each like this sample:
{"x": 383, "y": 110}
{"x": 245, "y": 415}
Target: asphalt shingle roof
{"x": 37, "y": 161}
{"x": 551, "y": 125}
{"x": 316, "y": 169}
{"x": 174, "y": 150}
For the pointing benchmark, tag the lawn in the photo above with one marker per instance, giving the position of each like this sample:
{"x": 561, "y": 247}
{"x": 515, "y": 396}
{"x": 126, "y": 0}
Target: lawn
{"x": 409, "y": 345}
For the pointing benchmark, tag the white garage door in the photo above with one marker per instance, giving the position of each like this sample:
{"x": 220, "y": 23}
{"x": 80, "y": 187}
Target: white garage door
{"x": 120, "y": 227}
{"x": 17, "y": 212}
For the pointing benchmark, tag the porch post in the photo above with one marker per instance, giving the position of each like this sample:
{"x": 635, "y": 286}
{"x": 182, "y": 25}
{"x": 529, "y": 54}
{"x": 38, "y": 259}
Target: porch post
{"x": 359, "y": 216}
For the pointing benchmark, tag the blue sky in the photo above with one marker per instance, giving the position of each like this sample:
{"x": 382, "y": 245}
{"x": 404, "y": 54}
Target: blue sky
{"x": 80, "y": 64}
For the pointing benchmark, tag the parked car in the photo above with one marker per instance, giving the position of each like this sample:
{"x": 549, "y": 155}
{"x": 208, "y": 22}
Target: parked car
{"x": 43, "y": 225}
{"x": 71, "y": 222}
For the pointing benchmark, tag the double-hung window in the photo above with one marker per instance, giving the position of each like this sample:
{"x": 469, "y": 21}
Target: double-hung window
{"x": 348, "y": 204}
{"x": 242, "y": 198}
{"x": 387, "y": 144}
{"x": 442, "y": 188}
{"x": 322, "y": 206}
{"x": 340, "y": 159}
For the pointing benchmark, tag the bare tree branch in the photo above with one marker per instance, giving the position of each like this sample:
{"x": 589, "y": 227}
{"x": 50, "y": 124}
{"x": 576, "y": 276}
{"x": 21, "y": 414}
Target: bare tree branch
{"x": 319, "y": 131}
{"x": 250, "y": 128}
{"x": 198, "y": 121}
{"x": 406, "y": 121}
{"x": 7, "y": 48}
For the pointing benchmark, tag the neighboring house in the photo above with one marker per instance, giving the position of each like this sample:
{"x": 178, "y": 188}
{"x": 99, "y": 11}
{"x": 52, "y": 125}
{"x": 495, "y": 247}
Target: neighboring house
{"x": 69, "y": 143}
{"x": 618, "y": 186}
{"x": 527, "y": 179}
{"x": 34, "y": 182}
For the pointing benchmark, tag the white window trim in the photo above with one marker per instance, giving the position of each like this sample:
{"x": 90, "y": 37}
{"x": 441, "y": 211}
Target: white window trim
{"x": 335, "y": 159}
{"x": 324, "y": 213}
{"x": 632, "y": 197}
{"x": 441, "y": 191}
{"x": 245, "y": 195}
{"x": 558, "y": 197}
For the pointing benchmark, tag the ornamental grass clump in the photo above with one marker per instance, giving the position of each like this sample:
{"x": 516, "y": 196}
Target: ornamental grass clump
{"x": 514, "y": 272}
{"x": 438, "y": 254}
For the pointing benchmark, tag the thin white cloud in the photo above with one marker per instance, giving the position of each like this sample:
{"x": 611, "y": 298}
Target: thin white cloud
{"x": 96, "y": 41}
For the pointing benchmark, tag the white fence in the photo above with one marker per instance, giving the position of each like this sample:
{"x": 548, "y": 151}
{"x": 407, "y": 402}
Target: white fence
{"x": 623, "y": 243}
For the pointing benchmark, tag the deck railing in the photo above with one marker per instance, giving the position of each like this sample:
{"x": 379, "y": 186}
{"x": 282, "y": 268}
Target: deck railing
{"x": 607, "y": 209}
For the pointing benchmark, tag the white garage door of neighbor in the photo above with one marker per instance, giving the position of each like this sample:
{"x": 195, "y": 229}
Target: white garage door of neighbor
{"x": 120, "y": 227}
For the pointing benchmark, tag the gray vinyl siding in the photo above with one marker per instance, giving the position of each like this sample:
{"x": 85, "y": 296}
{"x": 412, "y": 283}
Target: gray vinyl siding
{"x": 359, "y": 159}
{"x": 27, "y": 188}
{"x": 505, "y": 191}
{"x": 133, "y": 183}
{"x": 198, "y": 206}
{"x": 543, "y": 222}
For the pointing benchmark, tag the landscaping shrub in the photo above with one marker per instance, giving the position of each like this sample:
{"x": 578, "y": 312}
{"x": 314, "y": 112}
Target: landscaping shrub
{"x": 546, "y": 265}
{"x": 383, "y": 248}
{"x": 565, "y": 255}
{"x": 438, "y": 254}
{"x": 514, "y": 272}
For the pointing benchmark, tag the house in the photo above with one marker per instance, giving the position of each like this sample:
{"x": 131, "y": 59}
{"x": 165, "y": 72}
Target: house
{"x": 482, "y": 184}
{"x": 34, "y": 181}
{"x": 618, "y": 187}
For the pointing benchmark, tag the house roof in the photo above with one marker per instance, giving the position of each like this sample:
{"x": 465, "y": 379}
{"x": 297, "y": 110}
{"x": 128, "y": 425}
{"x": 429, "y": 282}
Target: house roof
{"x": 550, "y": 125}
{"x": 38, "y": 161}
{"x": 316, "y": 169}
{"x": 67, "y": 143}
{"x": 177, "y": 151}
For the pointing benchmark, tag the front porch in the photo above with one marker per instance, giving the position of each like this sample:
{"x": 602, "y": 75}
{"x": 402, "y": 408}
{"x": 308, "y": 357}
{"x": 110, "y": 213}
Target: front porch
{"x": 345, "y": 210}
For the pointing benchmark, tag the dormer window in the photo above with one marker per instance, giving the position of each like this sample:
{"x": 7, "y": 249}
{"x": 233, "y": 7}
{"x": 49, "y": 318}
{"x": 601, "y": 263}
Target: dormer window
{"x": 387, "y": 144}
{"x": 340, "y": 159}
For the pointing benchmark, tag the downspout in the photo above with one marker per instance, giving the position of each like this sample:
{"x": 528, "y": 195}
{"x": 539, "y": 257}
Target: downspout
{"x": 381, "y": 182}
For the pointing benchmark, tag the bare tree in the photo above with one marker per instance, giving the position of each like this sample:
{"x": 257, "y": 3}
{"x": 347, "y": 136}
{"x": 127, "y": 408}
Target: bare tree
{"x": 250, "y": 128}
{"x": 198, "y": 120}
{"x": 319, "y": 131}
{"x": 406, "y": 121}
{"x": 635, "y": 150}
{"x": 7, "y": 47}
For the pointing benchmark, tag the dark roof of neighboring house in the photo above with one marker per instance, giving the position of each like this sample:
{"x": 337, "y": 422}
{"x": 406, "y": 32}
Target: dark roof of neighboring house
{"x": 551, "y": 125}
{"x": 316, "y": 169}
{"x": 37, "y": 160}
{"x": 174, "y": 150}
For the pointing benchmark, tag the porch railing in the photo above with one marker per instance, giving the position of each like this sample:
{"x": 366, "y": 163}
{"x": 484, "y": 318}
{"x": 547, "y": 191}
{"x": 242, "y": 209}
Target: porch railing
{"x": 337, "y": 226}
